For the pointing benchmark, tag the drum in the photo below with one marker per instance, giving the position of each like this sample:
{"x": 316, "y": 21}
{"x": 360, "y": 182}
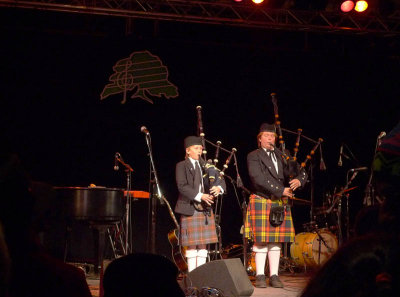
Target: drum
{"x": 313, "y": 249}
{"x": 251, "y": 265}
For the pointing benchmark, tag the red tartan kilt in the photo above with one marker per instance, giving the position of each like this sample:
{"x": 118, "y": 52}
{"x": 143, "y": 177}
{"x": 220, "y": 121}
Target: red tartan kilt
{"x": 257, "y": 226}
{"x": 194, "y": 230}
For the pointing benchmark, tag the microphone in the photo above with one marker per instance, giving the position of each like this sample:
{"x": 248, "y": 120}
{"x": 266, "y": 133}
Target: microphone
{"x": 116, "y": 167}
{"x": 382, "y": 134}
{"x": 358, "y": 169}
{"x": 340, "y": 163}
{"x": 144, "y": 130}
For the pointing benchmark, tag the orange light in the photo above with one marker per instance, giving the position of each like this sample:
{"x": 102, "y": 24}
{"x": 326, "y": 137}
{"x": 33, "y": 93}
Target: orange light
{"x": 347, "y": 6}
{"x": 258, "y": 1}
{"x": 361, "y": 6}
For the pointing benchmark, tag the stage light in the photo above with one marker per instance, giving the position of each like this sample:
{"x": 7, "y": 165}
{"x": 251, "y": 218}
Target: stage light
{"x": 361, "y": 6}
{"x": 347, "y": 6}
{"x": 258, "y": 1}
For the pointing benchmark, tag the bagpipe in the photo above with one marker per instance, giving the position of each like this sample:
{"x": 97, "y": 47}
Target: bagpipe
{"x": 211, "y": 172}
{"x": 291, "y": 159}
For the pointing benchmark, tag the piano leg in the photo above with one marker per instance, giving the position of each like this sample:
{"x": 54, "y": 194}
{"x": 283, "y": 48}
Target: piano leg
{"x": 99, "y": 232}
{"x": 66, "y": 241}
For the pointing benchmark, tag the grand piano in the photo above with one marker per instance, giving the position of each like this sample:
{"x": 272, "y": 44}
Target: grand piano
{"x": 99, "y": 207}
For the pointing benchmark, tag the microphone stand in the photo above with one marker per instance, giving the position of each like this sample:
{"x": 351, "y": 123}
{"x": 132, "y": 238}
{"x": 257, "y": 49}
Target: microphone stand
{"x": 369, "y": 198}
{"x": 312, "y": 190}
{"x": 338, "y": 201}
{"x": 128, "y": 205}
{"x": 156, "y": 193}
{"x": 243, "y": 206}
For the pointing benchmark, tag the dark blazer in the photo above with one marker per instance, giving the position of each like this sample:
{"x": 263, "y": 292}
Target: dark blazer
{"x": 264, "y": 178}
{"x": 185, "y": 182}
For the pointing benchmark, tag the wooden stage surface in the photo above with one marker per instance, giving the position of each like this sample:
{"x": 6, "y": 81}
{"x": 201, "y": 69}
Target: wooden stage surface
{"x": 294, "y": 284}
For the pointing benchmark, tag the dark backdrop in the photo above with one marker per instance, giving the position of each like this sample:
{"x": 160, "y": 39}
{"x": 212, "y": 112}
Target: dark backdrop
{"x": 54, "y": 67}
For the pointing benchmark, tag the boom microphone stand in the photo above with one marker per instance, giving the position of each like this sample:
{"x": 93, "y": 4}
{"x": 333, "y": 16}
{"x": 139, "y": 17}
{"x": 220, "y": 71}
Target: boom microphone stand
{"x": 243, "y": 205}
{"x": 369, "y": 198}
{"x": 338, "y": 201}
{"x": 156, "y": 193}
{"x": 128, "y": 221}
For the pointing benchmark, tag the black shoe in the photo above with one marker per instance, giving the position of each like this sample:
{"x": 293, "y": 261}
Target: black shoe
{"x": 260, "y": 281}
{"x": 275, "y": 282}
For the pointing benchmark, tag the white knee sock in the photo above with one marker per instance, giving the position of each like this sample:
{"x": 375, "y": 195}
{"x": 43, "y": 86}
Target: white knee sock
{"x": 274, "y": 255}
{"x": 191, "y": 259}
{"x": 260, "y": 258}
{"x": 201, "y": 257}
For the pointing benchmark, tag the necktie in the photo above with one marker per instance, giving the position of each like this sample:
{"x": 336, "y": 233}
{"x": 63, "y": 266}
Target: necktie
{"x": 271, "y": 154}
{"x": 198, "y": 177}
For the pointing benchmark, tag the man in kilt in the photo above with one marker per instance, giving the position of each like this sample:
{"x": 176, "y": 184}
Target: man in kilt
{"x": 197, "y": 228}
{"x": 269, "y": 220}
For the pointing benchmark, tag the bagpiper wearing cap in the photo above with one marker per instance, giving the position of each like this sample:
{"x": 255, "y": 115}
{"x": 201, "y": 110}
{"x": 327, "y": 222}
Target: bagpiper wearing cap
{"x": 197, "y": 228}
{"x": 269, "y": 220}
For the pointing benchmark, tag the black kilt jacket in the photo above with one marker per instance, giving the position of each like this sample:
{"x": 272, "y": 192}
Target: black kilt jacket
{"x": 188, "y": 188}
{"x": 264, "y": 178}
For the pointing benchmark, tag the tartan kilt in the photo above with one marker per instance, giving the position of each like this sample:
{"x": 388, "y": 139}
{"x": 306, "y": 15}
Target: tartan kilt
{"x": 194, "y": 231}
{"x": 257, "y": 226}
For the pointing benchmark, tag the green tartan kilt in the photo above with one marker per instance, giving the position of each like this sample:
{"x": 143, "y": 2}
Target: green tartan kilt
{"x": 197, "y": 229}
{"x": 257, "y": 226}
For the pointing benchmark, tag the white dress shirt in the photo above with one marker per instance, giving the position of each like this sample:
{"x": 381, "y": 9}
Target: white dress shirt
{"x": 200, "y": 193}
{"x": 273, "y": 158}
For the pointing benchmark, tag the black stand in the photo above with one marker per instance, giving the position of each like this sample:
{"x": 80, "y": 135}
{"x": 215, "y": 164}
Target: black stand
{"x": 243, "y": 205}
{"x": 128, "y": 222}
{"x": 338, "y": 201}
{"x": 369, "y": 198}
{"x": 244, "y": 239}
{"x": 312, "y": 218}
{"x": 321, "y": 239}
{"x": 127, "y": 247}
{"x": 155, "y": 195}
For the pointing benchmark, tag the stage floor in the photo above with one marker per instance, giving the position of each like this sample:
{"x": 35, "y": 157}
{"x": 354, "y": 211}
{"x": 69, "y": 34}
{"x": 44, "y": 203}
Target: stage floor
{"x": 294, "y": 284}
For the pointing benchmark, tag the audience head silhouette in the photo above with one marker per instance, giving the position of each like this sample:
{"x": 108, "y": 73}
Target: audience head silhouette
{"x": 141, "y": 274}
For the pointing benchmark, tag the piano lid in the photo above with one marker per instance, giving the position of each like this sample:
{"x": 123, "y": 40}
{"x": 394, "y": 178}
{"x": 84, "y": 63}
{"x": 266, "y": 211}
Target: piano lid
{"x": 91, "y": 187}
{"x": 99, "y": 204}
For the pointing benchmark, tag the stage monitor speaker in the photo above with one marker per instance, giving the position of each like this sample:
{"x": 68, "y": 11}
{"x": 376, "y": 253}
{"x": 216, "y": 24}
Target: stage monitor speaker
{"x": 227, "y": 275}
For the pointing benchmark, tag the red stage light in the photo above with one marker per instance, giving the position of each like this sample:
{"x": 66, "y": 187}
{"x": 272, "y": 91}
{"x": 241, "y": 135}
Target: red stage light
{"x": 361, "y": 6}
{"x": 347, "y": 6}
{"x": 258, "y": 1}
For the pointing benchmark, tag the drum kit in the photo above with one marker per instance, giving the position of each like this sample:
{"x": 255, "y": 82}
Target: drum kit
{"x": 322, "y": 236}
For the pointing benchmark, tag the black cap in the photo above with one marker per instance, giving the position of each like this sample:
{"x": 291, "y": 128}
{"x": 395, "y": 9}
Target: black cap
{"x": 192, "y": 140}
{"x": 265, "y": 127}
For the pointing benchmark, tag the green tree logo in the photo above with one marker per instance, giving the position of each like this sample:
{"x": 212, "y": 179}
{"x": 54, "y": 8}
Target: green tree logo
{"x": 143, "y": 72}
